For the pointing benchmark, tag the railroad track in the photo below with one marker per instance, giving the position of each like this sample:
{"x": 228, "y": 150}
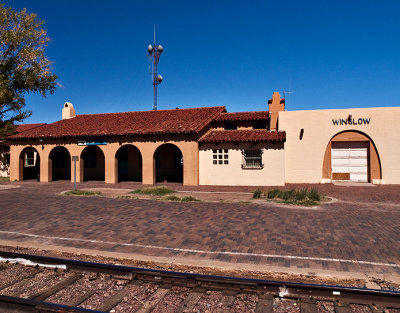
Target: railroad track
{"x": 61, "y": 285}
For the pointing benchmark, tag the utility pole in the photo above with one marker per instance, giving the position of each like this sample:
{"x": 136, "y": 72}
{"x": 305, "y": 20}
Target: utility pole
{"x": 154, "y": 56}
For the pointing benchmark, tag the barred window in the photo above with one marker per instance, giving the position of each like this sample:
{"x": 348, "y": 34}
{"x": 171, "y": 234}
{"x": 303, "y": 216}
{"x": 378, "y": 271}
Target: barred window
{"x": 252, "y": 159}
{"x": 220, "y": 156}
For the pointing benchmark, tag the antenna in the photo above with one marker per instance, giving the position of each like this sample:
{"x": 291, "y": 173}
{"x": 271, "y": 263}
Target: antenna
{"x": 286, "y": 92}
{"x": 154, "y": 56}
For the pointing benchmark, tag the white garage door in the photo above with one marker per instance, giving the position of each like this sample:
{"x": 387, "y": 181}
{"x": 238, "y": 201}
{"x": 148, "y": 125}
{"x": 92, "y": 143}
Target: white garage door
{"x": 350, "y": 161}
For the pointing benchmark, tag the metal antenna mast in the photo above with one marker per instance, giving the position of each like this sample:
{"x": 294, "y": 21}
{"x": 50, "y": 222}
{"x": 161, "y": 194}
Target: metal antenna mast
{"x": 154, "y": 56}
{"x": 286, "y": 92}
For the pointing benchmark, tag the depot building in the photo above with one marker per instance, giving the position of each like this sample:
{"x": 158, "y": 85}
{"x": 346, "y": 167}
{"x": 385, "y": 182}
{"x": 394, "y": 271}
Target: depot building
{"x": 210, "y": 146}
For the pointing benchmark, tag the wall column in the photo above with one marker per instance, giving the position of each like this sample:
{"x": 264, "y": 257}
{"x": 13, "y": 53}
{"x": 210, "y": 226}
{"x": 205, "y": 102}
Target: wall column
{"x": 148, "y": 170}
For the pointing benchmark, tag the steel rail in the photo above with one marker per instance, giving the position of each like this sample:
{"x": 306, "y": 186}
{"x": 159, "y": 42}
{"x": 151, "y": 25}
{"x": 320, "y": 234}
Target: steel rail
{"x": 387, "y": 298}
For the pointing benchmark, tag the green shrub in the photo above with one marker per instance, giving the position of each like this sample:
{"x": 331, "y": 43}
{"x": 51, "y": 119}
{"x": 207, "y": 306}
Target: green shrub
{"x": 257, "y": 194}
{"x": 189, "y": 198}
{"x": 172, "y": 198}
{"x": 82, "y": 193}
{"x": 273, "y": 193}
{"x": 288, "y": 194}
{"x": 155, "y": 191}
{"x": 301, "y": 194}
{"x": 4, "y": 179}
{"x": 314, "y": 195}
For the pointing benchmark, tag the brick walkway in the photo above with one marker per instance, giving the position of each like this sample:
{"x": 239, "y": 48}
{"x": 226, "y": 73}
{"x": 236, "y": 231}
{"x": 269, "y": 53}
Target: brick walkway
{"x": 359, "y": 233}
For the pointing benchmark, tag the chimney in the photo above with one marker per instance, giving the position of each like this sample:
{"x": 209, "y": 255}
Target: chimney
{"x": 68, "y": 111}
{"x": 275, "y": 105}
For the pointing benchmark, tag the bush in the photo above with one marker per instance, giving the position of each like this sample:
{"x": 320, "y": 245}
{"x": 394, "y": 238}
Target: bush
{"x": 189, "y": 198}
{"x": 172, "y": 198}
{"x": 257, "y": 194}
{"x": 314, "y": 195}
{"x": 82, "y": 193}
{"x": 155, "y": 191}
{"x": 273, "y": 193}
{"x": 288, "y": 194}
{"x": 301, "y": 194}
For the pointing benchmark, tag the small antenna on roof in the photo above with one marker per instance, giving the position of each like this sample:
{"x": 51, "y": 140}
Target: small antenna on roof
{"x": 286, "y": 92}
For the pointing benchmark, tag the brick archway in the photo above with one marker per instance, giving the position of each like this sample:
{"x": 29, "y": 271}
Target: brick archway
{"x": 168, "y": 163}
{"x": 129, "y": 163}
{"x": 92, "y": 163}
{"x": 29, "y": 164}
{"x": 59, "y": 164}
{"x": 353, "y": 136}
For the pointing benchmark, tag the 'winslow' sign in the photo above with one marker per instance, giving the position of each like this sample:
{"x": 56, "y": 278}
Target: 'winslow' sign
{"x": 351, "y": 121}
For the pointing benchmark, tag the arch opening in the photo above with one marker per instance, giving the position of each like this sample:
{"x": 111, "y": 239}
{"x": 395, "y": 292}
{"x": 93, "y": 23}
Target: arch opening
{"x": 60, "y": 159}
{"x": 29, "y": 164}
{"x": 351, "y": 155}
{"x": 93, "y": 163}
{"x": 129, "y": 161}
{"x": 168, "y": 164}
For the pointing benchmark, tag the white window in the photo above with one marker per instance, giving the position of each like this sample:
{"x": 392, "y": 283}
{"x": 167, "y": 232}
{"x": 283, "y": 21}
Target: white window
{"x": 220, "y": 156}
{"x": 252, "y": 159}
{"x": 30, "y": 158}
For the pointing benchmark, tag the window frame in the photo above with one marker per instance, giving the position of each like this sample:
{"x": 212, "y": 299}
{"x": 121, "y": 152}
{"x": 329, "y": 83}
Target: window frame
{"x": 246, "y": 158}
{"x": 220, "y": 156}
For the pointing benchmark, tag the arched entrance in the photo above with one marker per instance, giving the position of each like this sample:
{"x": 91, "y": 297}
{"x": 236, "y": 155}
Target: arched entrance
{"x": 129, "y": 161}
{"x": 168, "y": 163}
{"x": 29, "y": 164}
{"x": 93, "y": 163}
{"x": 351, "y": 156}
{"x": 60, "y": 163}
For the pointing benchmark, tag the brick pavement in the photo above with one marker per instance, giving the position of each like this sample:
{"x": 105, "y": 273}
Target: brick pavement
{"x": 362, "y": 226}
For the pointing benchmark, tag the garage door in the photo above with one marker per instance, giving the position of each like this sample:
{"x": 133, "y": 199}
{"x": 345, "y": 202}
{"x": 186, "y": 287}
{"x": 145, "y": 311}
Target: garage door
{"x": 350, "y": 161}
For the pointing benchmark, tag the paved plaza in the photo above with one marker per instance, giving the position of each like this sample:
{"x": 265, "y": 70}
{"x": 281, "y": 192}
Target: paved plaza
{"x": 358, "y": 233}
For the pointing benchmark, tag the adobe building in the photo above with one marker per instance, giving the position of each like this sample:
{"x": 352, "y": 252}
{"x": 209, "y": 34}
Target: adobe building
{"x": 209, "y": 146}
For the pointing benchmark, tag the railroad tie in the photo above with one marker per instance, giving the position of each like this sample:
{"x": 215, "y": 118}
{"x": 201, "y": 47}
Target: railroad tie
{"x": 264, "y": 304}
{"x": 150, "y": 304}
{"x": 308, "y": 306}
{"x": 190, "y": 301}
{"x": 342, "y": 308}
{"x": 44, "y": 294}
{"x": 112, "y": 302}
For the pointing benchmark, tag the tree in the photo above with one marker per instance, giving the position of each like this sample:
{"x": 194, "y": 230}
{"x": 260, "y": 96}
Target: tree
{"x": 24, "y": 67}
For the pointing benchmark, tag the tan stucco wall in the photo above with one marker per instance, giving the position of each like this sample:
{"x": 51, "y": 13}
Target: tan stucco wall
{"x": 147, "y": 148}
{"x": 304, "y": 158}
{"x": 273, "y": 173}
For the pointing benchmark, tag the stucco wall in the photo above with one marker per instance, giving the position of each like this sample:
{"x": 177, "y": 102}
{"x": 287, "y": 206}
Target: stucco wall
{"x": 147, "y": 148}
{"x": 304, "y": 157}
{"x": 272, "y": 174}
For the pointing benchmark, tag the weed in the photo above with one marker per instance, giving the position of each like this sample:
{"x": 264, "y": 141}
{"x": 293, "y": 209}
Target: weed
{"x": 257, "y": 194}
{"x": 314, "y": 195}
{"x": 82, "y": 193}
{"x": 273, "y": 193}
{"x": 172, "y": 198}
{"x": 155, "y": 191}
{"x": 301, "y": 194}
{"x": 4, "y": 179}
{"x": 189, "y": 198}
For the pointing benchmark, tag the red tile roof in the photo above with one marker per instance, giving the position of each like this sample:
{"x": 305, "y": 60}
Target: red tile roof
{"x": 177, "y": 121}
{"x": 243, "y": 116}
{"x": 246, "y": 135}
{"x": 25, "y": 127}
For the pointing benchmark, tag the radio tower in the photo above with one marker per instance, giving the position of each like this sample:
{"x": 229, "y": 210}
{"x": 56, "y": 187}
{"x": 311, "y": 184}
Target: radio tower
{"x": 154, "y": 56}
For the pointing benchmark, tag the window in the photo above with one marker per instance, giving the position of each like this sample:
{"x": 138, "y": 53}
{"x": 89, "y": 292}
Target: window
{"x": 220, "y": 156}
{"x": 29, "y": 159}
{"x": 252, "y": 159}
{"x": 260, "y": 125}
{"x": 230, "y": 126}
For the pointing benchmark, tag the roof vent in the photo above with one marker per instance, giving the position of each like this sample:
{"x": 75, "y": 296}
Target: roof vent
{"x": 68, "y": 111}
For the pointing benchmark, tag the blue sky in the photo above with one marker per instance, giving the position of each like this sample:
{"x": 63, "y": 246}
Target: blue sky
{"x": 331, "y": 54}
